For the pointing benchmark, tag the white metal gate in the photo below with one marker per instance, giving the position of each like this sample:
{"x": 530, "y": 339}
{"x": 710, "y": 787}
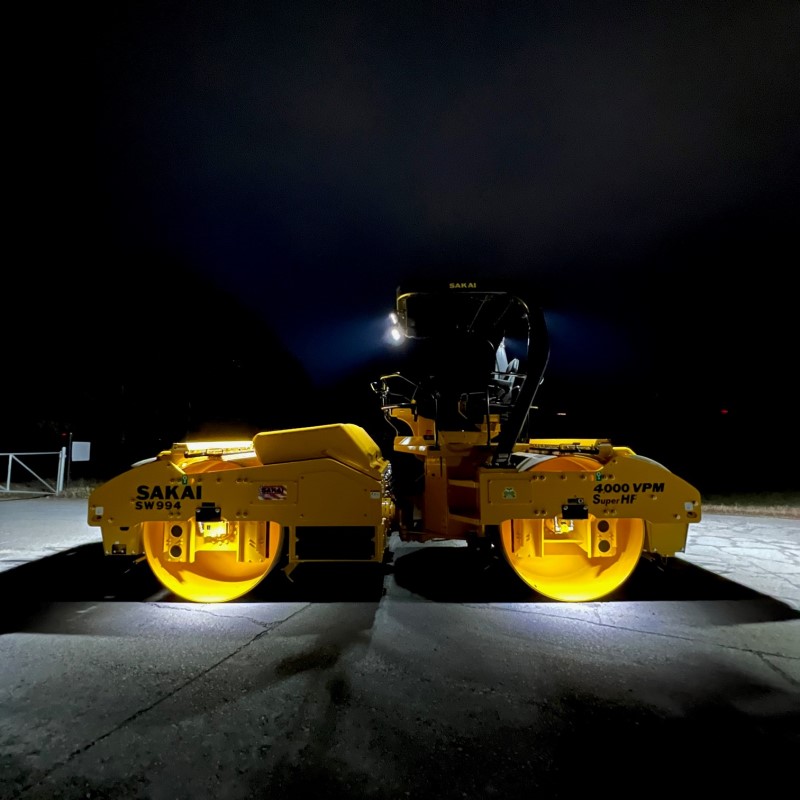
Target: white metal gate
{"x": 22, "y": 478}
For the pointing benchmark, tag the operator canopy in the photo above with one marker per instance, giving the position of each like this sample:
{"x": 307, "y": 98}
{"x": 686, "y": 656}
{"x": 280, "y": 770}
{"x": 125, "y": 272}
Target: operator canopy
{"x": 474, "y": 346}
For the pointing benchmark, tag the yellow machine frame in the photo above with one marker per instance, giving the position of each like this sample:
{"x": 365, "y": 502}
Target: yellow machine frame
{"x": 214, "y": 518}
{"x": 584, "y": 505}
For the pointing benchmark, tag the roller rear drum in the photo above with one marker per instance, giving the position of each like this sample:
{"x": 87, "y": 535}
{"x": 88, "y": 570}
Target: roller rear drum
{"x": 213, "y": 561}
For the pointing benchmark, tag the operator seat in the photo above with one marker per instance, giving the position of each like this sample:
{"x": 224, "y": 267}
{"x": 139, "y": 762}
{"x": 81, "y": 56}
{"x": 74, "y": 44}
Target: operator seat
{"x": 505, "y": 377}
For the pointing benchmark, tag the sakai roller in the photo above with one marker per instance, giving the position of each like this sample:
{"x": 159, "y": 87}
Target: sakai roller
{"x": 572, "y": 517}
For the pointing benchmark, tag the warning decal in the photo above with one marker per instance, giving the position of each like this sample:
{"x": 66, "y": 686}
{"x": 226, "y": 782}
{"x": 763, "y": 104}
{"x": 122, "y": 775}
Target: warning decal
{"x": 272, "y": 493}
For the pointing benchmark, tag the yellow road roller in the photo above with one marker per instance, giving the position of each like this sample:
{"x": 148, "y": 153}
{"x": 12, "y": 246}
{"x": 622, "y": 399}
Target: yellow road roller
{"x": 572, "y": 516}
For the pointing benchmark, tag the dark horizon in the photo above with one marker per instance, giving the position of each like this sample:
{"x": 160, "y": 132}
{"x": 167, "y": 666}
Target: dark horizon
{"x": 153, "y": 389}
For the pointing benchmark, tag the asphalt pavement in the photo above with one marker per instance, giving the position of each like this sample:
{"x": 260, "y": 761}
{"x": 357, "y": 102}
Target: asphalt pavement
{"x": 435, "y": 680}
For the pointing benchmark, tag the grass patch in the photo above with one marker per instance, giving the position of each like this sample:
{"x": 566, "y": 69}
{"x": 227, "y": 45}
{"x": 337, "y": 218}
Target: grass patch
{"x": 762, "y": 504}
{"x": 77, "y": 489}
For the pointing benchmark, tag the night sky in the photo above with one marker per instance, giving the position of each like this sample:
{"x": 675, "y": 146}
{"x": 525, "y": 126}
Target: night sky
{"x": 256, "y": 179}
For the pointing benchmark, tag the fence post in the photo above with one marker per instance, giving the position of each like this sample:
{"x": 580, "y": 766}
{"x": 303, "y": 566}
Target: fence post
{"x": 62, "y": 460}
